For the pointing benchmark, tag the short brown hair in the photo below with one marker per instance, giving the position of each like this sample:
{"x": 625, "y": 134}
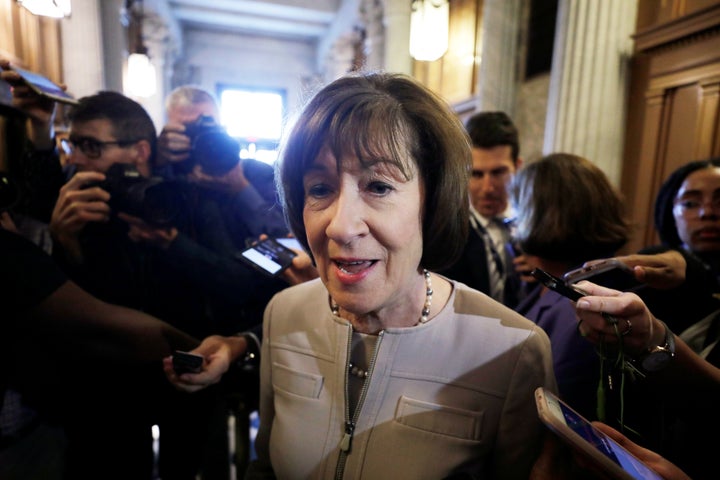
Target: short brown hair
{"x": 394, "y": 117}
{"x": 494, "y": 129}
{"x": 567, "y": 210}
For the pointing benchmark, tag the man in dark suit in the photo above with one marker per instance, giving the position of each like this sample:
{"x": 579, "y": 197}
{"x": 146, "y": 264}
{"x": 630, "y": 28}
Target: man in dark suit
{"x": 487, "y": 261}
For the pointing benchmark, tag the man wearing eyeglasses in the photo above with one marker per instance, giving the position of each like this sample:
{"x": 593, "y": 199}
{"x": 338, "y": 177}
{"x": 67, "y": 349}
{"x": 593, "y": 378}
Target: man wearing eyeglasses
{"x": 106, "y": 129}
{"x": 95, "y": 247}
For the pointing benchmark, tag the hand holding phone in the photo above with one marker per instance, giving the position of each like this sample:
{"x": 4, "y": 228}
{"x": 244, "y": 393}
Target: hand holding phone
{"x": 43, "y": 86}
{"x": 570, "y": 291}
{"x": 186, "y": 362}
{"x": 581, "y": 435}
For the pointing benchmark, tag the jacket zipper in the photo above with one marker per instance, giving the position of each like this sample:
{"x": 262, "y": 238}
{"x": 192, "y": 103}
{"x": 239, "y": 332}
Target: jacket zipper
{"x": 346, "y": 442}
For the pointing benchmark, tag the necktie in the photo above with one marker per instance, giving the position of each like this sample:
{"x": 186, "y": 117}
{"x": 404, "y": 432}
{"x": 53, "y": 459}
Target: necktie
{"x": 495, "y": 265}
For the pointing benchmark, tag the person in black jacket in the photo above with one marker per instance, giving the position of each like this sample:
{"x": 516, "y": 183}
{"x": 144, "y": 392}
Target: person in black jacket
{"x": 56, "y": 337}
{"x": 687, "y": 219}
{"x": 488, "y": 260}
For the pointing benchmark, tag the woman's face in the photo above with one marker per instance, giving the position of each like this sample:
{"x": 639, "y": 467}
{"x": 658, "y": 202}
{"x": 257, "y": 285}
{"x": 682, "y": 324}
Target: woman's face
{"x": 697, "y": 210}
{"x": 364, "y": 227}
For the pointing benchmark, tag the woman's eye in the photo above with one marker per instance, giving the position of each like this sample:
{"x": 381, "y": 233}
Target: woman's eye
{"x": 318, "y": 191}
{"x": 380, "y": 188}
{"x": 689, "y": 204}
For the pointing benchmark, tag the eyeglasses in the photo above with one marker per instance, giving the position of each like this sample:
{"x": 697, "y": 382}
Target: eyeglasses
{"x": 692, "y": 205}
{"x": 89, "y": 146}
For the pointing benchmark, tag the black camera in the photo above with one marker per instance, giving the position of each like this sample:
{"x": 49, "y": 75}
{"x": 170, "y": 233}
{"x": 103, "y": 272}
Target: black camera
{"x": 9, "y": 192}
{"x": 155, "y": 200}
{"x": 211, "y": 147}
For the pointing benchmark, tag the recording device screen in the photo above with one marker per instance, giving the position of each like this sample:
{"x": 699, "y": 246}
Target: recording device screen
{"x": 580, "y": 434}
{"x": 269, "y": 256}
{"x": 44, "y": 86}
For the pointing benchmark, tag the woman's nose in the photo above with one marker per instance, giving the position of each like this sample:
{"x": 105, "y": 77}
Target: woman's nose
{"x": 347, "y": 219}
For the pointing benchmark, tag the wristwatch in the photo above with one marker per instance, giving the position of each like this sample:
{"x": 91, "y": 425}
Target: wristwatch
{"x": 659, "y": 357}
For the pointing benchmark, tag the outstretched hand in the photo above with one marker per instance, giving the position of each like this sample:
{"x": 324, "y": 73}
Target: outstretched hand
{"x": 219, "y": 352}
{"x": 660, "y": 270}
{"x": 635, "y": 323}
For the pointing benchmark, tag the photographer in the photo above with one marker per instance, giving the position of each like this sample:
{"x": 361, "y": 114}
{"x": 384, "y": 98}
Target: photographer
{"x": 194, "y": 146}
{"x": 97, "y": 249}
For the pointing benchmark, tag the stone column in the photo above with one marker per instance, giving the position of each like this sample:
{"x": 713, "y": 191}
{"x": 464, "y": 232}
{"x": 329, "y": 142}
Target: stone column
{"x": 371, "y": 16}
{"x": 497, "y": 81}
{"x": 588, "y": 83}
{"x": 82, "y": 49}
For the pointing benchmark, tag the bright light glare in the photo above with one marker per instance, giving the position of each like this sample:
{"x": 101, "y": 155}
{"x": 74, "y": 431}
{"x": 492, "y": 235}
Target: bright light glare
{"x": 251, "y": 115}
{"x": 429, "y": 29}
{"x": 48, "y": 8}
{"x": 261, "y": 154}
{"x": 140, "y": 76}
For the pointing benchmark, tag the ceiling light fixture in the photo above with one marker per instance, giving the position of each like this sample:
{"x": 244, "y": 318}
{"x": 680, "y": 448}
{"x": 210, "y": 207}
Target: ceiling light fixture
{"x": 140, "y": 80}
{"x": 48, "y": 8}
{"x": 429, "y": 21}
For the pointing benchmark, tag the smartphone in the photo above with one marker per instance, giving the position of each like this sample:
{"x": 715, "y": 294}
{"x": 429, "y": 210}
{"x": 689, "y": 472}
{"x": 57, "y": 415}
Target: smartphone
{"x": 186, "y": 362}
{"x": 44, "y": 86}
{"x": 268, "y": 256}
{"x": 580, "y": 434}
{"x": 611, "y": 273}
{"x": 290, "y": 242}
{"x": 558, "y": 285}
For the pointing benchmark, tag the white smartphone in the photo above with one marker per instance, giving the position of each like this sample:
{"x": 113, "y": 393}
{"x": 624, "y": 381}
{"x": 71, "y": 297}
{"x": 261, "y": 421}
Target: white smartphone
{"x": 44, "y": 86}
{"x": 611, "y": 273}
{"x": 269, "y": 256}
{"x": 580, "y": 434}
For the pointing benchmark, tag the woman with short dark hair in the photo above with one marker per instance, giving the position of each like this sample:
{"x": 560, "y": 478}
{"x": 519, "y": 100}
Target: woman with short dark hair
{"x": 381, "y": 368}
{"x": 567, "y": 213}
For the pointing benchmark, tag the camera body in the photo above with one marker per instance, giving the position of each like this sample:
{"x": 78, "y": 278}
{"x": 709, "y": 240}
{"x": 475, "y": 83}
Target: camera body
{"x": 155, "y": 200}
{"x": 211, "y": 148}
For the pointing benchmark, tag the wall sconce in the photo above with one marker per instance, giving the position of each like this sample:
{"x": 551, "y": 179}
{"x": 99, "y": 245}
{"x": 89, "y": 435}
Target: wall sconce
{"x": 429, "y": 29}
{"x": 140, "y": 79}
{"x": 47, "y": 8}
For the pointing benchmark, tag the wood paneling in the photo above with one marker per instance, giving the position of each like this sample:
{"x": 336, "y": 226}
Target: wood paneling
{"x": 30, "y": 42}
{"x": 674, "y": 102}
{"x": 454, "y": 75}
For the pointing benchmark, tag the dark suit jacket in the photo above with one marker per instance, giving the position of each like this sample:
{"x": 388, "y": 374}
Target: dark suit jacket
{"x": 472, "y": 269}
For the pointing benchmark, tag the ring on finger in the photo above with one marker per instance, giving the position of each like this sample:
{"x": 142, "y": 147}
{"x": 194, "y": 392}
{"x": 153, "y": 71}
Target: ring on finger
{"x": 628, "y": 328}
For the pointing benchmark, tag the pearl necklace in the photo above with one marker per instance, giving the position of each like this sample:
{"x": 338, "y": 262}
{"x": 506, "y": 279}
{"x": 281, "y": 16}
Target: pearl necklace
{"x": 424, "y": 316}
{"x": 357, "y": 371}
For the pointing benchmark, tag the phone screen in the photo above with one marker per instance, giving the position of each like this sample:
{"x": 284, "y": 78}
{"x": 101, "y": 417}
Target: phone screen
{"x": 43, "y": 85}
{"x": 568, "y": 417}
{"x": 269, "y": 256}
{"x": 290, "y": 242}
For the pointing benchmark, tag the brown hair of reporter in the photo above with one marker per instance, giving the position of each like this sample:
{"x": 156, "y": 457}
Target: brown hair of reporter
{"x": 571, "y": 211}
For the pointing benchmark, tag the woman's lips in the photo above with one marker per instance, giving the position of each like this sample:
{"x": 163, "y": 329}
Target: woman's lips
{"x": 353, "y": 271}
{"x": 710, "y": 233}
{"x": 353, "y": 266}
